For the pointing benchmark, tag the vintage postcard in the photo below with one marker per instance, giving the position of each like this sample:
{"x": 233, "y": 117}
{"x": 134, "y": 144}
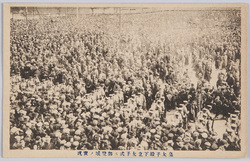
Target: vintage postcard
{"x": 125, "y": 80}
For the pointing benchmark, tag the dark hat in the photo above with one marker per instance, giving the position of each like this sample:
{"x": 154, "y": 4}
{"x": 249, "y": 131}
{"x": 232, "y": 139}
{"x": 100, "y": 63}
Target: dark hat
{"x": 165, "y": 139}
{"x": 223, "y": 142}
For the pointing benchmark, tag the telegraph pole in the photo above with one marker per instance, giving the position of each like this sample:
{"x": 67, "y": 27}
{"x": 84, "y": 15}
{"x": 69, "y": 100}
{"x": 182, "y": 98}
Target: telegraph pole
{"x": 33, "y": 12}
{"x": 77, "y": 12}
{"x": 120, "y": 19}
{"x": 66, "y": 12}
{"x": 26, "y": 13}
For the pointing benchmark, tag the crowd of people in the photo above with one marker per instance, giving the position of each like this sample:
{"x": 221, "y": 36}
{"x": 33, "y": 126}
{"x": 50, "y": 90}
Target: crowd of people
{"x": 83, "y": 83}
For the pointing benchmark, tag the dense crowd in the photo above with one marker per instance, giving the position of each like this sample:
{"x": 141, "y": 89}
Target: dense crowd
{"x": 84, "y": 84}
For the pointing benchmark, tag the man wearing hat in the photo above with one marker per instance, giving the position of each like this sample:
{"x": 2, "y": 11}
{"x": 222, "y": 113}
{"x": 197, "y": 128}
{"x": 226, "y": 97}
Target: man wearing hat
{"x": 237, "y": 88}
{"x": 144, "y": 143}
{"x": 131, "y": 103}
{"x": 223, "y": 144}
{"x": 176, "y": 119}
{"x": 105, "y": 145}
{"x": 207, "y": 146}
{"x": 184, "y": 113}
{"x": 179, "y": 144}
{"x": 140, "y": 100}
{"x": 156, "y": 143}
{"x": 232, "y": 140}
{"x": 214, "y": 147}
{"x": 67, "y": 146}
{"x": 170, "y": 145}
{"x": 234, "y": 128}
{"x": 197, "y": 144}
{"x": 200, "y": 125}
{"x": 187, "y": 142}
{"x": 47, "y": 144}
{"x": 160, "y": 108}
{"x": 205, "y": 113}
{"x": 233, "y": 120}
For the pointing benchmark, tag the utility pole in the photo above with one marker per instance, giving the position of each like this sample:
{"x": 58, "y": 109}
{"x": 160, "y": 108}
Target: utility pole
{"x": 26, "y": 13}
{"x": 66, "y": 12}
{"x": 120, "y": 19}
{"x": 59, "y": 9}
{"x": 77, "y": 12}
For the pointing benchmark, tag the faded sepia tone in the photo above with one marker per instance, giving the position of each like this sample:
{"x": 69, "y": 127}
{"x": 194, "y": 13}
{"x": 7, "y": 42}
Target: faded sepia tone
{"x": 116, "y": 80}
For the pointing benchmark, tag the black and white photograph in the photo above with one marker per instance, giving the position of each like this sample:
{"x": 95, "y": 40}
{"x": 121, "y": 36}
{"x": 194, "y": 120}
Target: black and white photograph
{"x": 126, "y": 78}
